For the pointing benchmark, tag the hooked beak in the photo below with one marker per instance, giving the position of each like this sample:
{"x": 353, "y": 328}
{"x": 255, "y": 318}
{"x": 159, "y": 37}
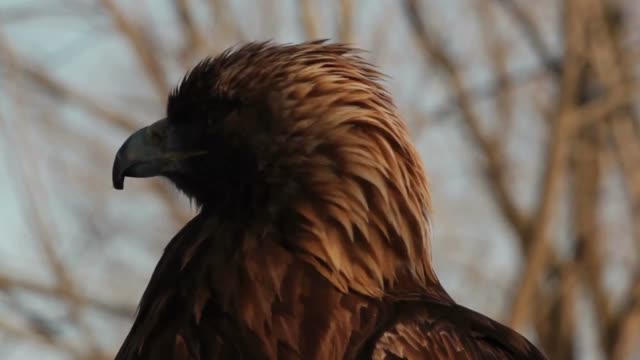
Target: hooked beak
{"x": 145, "y": 154}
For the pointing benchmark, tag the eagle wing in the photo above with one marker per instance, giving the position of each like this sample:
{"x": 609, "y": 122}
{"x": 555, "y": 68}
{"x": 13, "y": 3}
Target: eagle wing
{"x": 450, "y": 331}
{"x": 153, "y": 333}
{"x": 272, "y": 305}
{"x": 178, "y": 316}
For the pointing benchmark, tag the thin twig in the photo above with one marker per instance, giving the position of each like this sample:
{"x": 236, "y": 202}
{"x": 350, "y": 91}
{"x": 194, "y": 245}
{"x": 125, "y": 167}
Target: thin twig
{"x": 626, "y": 324}
{"x": 224, "y": 25}
{"x": 195, "y": 40}
{"x": 141, "y": 46}
{"x": 345, "y": 25}
{"x": 119, "y": 310}
{"x": 619, "y": 327}
{"x": 23, "y": 334}
{"x": 495, "y": 169}
{"x": 307, "y": 16}
{"x": 499, "y": 56}
{"x": 587, "y": 180}
{"x": 58, "y": 90}
{"x": 532, "y": 34}
{"x": 559, "y": 339}
{"x": 36, "y": 202}
{"x": 553, "y": 173}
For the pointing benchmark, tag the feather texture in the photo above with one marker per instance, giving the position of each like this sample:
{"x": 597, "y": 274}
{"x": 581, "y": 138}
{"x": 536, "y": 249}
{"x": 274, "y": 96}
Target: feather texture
{"x": 325, "y": 253}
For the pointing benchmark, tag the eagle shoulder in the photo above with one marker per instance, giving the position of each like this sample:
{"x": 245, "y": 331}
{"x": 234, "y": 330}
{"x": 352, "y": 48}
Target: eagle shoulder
{"x": 450, "y": 331}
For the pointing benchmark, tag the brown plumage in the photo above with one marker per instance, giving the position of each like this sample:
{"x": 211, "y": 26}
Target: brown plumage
{"x": 312, "y": 241}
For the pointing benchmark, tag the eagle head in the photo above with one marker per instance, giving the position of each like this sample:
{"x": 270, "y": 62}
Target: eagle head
{"x": 303, "y": 135}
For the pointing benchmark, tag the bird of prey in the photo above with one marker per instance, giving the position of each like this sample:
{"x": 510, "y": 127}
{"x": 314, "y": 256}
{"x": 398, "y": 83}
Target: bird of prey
{"x": 313, "y": 230}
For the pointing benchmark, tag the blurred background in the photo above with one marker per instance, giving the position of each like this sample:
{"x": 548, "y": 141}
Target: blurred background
{"x": 525, "y": 113}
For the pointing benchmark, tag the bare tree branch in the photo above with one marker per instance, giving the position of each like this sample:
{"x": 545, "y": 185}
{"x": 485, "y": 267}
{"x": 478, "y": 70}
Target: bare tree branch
{"x": 586, "y": 198}
{"x": 532, "y": 34}
{"x": 495, "y": 169}
{"x": 57, "y": 89}
{"x": 611, "y": 67}
{"x": 24, "y": 334}
{"x": 497, "y": 52}
{"x": 223, "y": 21}
{"x": 142, "y": 47}
{"x": 119, "y": 310}
{"x": 626, "y": 325}
{"x": 307, "y": 17}
{"x": 345, "y": 26}
{"x": 194, "y": 38}
{"x": 37, "y": 204}
{"x": 554, "y": 169}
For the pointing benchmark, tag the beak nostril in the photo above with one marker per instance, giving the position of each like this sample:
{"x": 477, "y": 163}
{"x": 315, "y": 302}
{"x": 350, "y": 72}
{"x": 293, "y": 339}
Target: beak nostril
{"x": 155, "y": 137}
{"x": 156, "y": 132}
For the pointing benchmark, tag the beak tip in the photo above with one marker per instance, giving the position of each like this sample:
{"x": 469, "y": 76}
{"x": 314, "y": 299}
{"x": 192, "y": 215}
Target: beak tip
{"x": 118, "y": 182}
{"x": 117, "y": 174}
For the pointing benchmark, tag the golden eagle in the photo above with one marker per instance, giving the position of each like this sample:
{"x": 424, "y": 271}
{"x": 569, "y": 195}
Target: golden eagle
{"x": 312, "y": 237}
